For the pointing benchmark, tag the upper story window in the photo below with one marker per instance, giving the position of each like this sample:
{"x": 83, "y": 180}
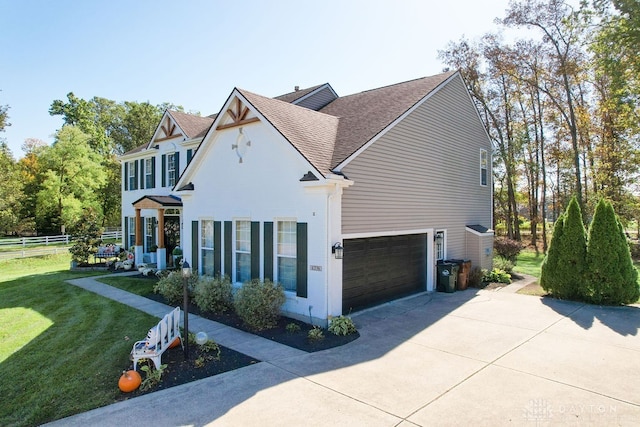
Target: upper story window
{"x": 286, "y": 249}
{"x": 132, "y": 175}
{"x": 243, "y": 251}
{"x": 484, "y": 167}
{"x": 171, "y": 170}
{"x": 148, "y": 173}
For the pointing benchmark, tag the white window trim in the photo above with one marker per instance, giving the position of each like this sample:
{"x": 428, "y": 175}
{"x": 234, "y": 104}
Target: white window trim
{"x": 132, "y": 232}
{"x": 148, "y": 172}
{"x": 444, "y": 245}
{"x": 132, "y": 175}
{"x": 202, "y": 246}
{"x": 485, "y": 168}
{"x": 234, "y": 248}
{"x": 148, "y": 237}
{"x": 171, "y": 159}
{"x": 276, "y": 273}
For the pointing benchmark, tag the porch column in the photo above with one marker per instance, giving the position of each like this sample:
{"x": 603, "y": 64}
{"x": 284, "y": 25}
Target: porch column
{"x": 162, "y": 251}
{"x": 138, "y": 248}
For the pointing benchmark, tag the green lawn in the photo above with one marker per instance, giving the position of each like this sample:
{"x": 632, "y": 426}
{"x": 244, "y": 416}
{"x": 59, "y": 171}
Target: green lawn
{"x": 131, "y": 284}
{"x": 62, "y": 348}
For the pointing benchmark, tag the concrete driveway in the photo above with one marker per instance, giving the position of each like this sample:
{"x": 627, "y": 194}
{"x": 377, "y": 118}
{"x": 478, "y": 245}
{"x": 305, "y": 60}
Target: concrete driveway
{"x": 468, "y": 358}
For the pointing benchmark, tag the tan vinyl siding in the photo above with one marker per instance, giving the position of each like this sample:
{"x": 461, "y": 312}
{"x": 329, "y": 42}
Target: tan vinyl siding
{"x": 423, "y": 173}
{"x": 317, "y": 100}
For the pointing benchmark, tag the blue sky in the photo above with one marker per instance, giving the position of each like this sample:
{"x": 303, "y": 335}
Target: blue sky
{"x": 193, "y": 53}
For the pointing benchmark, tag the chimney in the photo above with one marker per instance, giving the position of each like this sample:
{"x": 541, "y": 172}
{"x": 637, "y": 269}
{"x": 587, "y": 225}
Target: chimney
{"x": 296, "y": 88}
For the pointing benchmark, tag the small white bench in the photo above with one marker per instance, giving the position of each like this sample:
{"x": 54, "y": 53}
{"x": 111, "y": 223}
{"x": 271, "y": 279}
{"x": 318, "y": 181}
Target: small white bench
{"x": 158, "y": 340}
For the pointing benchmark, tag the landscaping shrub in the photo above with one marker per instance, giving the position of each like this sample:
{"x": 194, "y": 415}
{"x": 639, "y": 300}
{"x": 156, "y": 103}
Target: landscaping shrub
{"x": 496, "y": 276}
{"x": 634, "y": 247}
{"x": 563, "y": 269}
{"x": 258, "y": 303}
{"x": 342, "y": 325}
{"x": 611, "y": 277}
{"x": 213, "y": 294}
{"x": 508, "y": 249}
{"x": 503, "y": 264}
{"x": 170, "y": 287}
{"x": 86, "y": 235}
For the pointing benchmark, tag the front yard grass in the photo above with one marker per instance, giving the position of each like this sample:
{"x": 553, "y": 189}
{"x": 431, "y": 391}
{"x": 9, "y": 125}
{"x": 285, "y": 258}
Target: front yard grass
{"x": 61, "y": 348}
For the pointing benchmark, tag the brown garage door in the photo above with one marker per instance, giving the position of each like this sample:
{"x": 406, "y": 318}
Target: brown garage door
{"x": 380, "y": 269}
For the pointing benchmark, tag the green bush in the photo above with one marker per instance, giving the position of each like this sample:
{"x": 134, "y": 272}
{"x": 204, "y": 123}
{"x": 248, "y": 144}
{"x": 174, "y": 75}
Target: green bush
{"x": 86, "y": 235}
{"x": 508, "y": 249}
{"x": 342, "y": 325}
{"x": 496, "y": 276}
{"x": 563, "y": 269}
{"x": 213, "y": 294}
{"x": 315, "y": 334}
{"x": 611, "y": 277}
{"x": 258, "y": 303}
{"x": 170, "y": 287}
{"x": 503, "y": 264}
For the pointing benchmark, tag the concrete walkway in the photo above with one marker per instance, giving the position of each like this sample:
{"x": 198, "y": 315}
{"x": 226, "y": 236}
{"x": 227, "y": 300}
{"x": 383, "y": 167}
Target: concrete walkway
{"x": 482, "y": 358}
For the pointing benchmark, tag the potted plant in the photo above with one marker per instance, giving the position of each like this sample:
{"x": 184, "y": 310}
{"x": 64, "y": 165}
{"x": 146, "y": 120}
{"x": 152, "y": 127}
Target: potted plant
{"x": 153, "y": 256}
{"x": 177, "y": 255}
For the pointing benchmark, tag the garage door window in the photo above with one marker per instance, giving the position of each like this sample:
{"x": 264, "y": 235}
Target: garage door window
{"x": 286, "y": 254}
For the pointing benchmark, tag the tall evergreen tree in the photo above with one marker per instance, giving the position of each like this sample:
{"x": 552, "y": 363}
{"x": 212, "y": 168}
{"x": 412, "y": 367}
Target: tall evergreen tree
{"x": 611, "y": 277}
{"x": 564, "y": 267}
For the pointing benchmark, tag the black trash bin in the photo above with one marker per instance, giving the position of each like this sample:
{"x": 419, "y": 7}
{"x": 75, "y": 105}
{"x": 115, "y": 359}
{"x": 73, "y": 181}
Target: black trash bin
{"x": 447, "y": 277}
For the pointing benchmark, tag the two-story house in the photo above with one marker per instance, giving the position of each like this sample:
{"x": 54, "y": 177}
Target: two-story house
{"x": 346, "y": 201}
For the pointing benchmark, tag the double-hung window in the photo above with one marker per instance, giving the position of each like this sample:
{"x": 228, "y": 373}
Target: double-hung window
{"x": 286, "y": 254}
{"x": 243, "y": 251}
{"x": 484, "y": 167}
{"x": 206, "y": 246}
{"x": 171, "y": 170}
{"x": 132, "y": 175}
{"x": 132, "y": 232}
{"x": 148, "y": 174}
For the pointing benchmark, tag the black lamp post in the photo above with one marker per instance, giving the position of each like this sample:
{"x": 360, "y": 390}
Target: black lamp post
{"x": 186, "y": 273}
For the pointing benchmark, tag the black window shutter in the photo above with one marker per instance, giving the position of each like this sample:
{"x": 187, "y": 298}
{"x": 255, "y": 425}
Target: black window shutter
{"x": 126, "y": 176}
{"x": 189, "y": 155}
{"x": 135, "y": 175}
{"x": 255, "y": 250}
{"x": 153, "y": 172}
{"x": 301, "y": 258}
{"x": 164, "y": 170}
{"x": 268, "y": 250}
{"x": 194, "y": 246}
{"x": 217, "y": 246}
{"x": 227, "y": 248}
{"x": 141, "y": 174}
{"x": 177, "y": 154}
{"x": 125, "y": 236}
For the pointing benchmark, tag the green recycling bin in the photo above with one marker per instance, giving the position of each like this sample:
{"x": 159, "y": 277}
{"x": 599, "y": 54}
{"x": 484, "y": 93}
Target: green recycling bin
{"x": 447, "y": 277}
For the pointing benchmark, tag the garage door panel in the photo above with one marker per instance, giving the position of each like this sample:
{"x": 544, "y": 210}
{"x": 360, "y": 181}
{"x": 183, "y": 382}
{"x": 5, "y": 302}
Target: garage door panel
{"x": 380, "y": 269}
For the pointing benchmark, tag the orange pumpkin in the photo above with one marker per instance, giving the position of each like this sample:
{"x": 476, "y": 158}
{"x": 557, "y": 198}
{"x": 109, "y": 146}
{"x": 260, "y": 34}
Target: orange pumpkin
{"x": 129, "y": 381}
{"x": 175, "y": 343}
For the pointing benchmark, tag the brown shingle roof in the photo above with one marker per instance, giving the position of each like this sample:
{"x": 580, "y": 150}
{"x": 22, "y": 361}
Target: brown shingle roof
{"x": 328, "y": 137}
{"x": 295, "y": 95}
{"x": 363, "y": 115}
{"x": 194, "y": 126}
{"x": 312, "y": 133}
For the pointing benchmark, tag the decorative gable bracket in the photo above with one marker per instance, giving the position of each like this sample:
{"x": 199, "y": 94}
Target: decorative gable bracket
{"x": 238, "y": 113}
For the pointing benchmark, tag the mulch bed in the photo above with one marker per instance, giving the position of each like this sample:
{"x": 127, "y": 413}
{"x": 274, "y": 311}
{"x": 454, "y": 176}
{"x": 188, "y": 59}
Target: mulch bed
{"x": 181, "y": 371}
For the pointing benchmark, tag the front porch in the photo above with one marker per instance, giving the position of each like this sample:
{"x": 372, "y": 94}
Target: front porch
{"x": 161, "y": 230}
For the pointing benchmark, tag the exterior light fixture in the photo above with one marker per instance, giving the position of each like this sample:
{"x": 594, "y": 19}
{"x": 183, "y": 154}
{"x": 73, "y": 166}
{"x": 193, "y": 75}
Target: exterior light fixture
{"x": 337, "y": 250}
